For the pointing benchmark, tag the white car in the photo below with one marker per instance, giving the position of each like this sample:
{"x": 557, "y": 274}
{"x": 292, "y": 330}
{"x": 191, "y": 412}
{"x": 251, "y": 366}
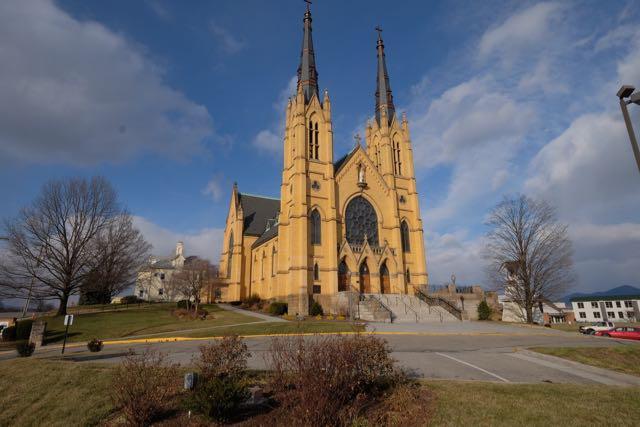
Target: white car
{"x": 596, "y": 327}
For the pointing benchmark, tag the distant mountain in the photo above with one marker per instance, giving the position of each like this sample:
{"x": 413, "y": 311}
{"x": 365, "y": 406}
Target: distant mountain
{"x": 620, "y": 290}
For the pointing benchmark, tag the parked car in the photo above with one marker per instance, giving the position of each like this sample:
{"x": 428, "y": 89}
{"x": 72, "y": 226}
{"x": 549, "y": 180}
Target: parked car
{"x": 596, "y": 327}
{"x": 626, "y": 332}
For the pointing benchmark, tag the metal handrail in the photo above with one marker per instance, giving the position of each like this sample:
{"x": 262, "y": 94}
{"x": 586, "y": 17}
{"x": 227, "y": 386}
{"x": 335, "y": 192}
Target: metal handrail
{"x": 440, "y": 302}
{"x": 381, "y": 305}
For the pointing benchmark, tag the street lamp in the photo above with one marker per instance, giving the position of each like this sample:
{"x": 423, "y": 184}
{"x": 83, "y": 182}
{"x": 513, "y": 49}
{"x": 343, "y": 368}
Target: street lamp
{"x": 626, "y": 91}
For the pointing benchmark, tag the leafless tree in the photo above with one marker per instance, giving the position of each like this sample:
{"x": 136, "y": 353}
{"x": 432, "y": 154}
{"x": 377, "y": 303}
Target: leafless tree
{"x": 52, "y": 243}
{"x": 118, "y": 252}
{"x": 529, "y": 252}
{"x": 194, "y": 277}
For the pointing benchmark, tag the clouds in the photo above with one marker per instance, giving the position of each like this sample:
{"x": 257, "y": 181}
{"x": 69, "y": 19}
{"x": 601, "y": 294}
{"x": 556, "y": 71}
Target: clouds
{"x": 226, "y": 40}
{"x": 214, "y": 188}
{"x": 205, "y": 243}
{"x": 270, "y": 140}
{"x": 520, "y": 31}
{"x": 75, "y": 92}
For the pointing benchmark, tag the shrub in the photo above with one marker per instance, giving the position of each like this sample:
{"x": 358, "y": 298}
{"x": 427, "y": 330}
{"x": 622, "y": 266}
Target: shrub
{"x": 184, "y": 304}
{"x": 253, "y": 299}
{"x": 222, "y": 387}
{"x": 235, "y": 303}
{"x": 9, "y": 333}
{"x": 326, "y": 381}
{"x": 131, "y": 299}
{"x": 484, "y": 311}
{"x": 316, "y": 309}
{"x": 278, "y": 308}
{"x": 95, "y": 345}
{"x": 23, "y": 329}
{"x": 142, "y": 386}
{"x": 25, "y": 349}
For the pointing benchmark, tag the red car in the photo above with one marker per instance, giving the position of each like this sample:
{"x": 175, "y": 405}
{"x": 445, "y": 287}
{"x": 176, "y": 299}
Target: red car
{"x": 626, "y": 332}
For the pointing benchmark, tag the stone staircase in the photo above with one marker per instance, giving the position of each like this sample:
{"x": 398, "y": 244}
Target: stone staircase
{"x": 402, "y": 309}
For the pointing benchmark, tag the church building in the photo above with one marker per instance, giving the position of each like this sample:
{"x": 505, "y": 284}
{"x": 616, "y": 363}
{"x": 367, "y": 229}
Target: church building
{"x": 341, "y": 226}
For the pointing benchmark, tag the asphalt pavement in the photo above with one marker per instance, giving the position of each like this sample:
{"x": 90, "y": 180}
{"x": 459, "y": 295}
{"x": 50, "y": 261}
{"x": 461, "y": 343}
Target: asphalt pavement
{"x": 473, "y": 351}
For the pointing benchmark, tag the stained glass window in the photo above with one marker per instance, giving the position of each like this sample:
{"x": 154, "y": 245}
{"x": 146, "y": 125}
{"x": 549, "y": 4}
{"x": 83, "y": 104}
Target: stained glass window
{"x": 361, "y": 220}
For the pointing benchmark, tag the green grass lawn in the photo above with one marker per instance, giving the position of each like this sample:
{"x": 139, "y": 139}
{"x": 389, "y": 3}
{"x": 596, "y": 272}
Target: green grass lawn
{"x": 59, "y": 393}
{"x": 489, "y": 404}
{"x": 148, "y": 319}
{"x": 625, "y": 359}
{"x": 293, "y": 327}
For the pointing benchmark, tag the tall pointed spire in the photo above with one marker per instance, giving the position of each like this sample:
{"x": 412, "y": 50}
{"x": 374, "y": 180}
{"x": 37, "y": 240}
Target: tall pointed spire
{"x": 383, "y": 89}
{"x": 307, "y": 73}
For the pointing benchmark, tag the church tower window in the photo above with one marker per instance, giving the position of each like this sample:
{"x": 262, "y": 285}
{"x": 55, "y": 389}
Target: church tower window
{"x": 361, "y": 220}
{"x": 316, "y": 272}
{"x": 404, "y": 235}
{"x": 314, "y": 143}
{"x": 274, "y": 255}
{"x": 397, "y": 163}
{"x": 316, "y": 228}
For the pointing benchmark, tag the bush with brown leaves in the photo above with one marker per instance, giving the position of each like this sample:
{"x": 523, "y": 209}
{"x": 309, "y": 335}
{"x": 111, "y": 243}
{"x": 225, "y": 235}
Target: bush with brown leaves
{"x": 143, "y": 386}
{"x": 222, "y": 387}
{"x": 329, "y": 380}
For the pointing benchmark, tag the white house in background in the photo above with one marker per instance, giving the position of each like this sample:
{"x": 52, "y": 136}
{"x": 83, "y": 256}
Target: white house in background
{"x": 624, "y": 308}
{"x": 153, "y": 278}
{"x": 547, "y": 313}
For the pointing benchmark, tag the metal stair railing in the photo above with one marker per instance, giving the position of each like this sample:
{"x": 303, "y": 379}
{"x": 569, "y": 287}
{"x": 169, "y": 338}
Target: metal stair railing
{"x": 440, "y": 302}
{"x": 380, "y": 305}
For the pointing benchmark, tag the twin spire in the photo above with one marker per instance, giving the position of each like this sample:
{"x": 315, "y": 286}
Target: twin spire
{"x": 308, "y": 75}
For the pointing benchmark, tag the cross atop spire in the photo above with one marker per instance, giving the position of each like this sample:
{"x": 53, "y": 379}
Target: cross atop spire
{"x": 383, "y": 88}
{"x": 307, "y": 73}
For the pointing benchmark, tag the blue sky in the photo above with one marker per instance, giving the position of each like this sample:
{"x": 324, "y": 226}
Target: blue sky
{"x": 174, "y": 101}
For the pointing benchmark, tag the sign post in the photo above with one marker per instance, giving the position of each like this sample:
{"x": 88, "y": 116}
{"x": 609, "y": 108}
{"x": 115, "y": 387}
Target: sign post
{"x": 68, "y": 321}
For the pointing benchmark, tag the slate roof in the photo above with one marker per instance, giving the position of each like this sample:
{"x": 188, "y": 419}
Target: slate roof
{"x": 257, "y": 211}
{"x": 342, "y": 160}
{"x": 268, "y": 235}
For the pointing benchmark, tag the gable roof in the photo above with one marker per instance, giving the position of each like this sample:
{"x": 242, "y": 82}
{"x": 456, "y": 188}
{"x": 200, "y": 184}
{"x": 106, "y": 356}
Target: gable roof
{"x": 342, "y": 160}
{"x": 257, "y": 210}
{"x": 266, "y": 236}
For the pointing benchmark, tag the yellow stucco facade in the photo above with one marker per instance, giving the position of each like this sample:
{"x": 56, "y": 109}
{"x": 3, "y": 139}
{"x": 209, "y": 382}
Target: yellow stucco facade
{"x": 351, "y": 225}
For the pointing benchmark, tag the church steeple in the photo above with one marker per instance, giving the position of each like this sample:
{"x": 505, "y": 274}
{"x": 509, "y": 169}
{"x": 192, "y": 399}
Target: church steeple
{"x": 383, "y": 89}
{"x": 307, "y": 73}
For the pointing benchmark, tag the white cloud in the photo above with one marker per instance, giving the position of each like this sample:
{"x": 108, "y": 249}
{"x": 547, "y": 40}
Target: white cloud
{"x": 270, "y": 140}
{"x": 160, "y": 9}
{"x": 477, "y": 130}
{"x": 205, "y": 243}
{"x": 455, "y": 253}
{"x": 214, "y": 188}
{"x": 228, "y": 42}
{"x": 76, "y": 92}
{"x": 541, "y": 78}
{"x": 521, "y": 31}
{"x": 588, "y": 171}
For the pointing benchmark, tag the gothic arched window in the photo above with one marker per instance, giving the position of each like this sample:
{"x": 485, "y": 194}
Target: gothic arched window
{"x": 404, "y": 235}
{"x": 407, "y": 276}
{"x": 316, "y": 272}
{"x": 397, "y": 162}
{"x": 316, "y": 228}
{"x": 361, "y": 220}
{"x": 343, "y": 276}
{"x": 230, "y": 256}
{"x": 314, "y": 143}
{"x": 262, "y": 265}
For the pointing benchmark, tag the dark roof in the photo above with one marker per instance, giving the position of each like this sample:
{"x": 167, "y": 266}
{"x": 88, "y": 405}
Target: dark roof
{"x": 605, "y": 298}
{"x": 342, "y": 160}
{"x": 384, "y": 97}
{"x": 268, "y": 235}
{"x": 163, "y": 263}
{"x": 257, "y": 211}
{"x": 307, "y": 73}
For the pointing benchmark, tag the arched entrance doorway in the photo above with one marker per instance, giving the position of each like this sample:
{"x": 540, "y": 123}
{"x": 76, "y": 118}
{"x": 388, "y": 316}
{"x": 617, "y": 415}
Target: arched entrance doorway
{"x": 385, "y": 282}
{"x": 365, "y": 280}
{"x": 343, "y": 277}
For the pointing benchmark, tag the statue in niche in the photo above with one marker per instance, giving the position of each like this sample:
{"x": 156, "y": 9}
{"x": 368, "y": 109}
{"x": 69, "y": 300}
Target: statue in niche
{"x": 361, "y": 178}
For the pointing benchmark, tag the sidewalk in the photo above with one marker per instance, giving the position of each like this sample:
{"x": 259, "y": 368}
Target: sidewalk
{"x": 264, "y": 317}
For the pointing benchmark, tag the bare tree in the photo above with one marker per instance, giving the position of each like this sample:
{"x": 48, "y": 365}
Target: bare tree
{"x": 529, "y": 252}
{"x": 194, "y": 277}
{"x": 119, "y": 251}
{"x": 52, "y": 242}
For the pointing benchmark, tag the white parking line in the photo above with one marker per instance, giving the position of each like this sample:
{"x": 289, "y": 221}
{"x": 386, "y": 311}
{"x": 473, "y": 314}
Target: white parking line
{"x": 474, "y": 367}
